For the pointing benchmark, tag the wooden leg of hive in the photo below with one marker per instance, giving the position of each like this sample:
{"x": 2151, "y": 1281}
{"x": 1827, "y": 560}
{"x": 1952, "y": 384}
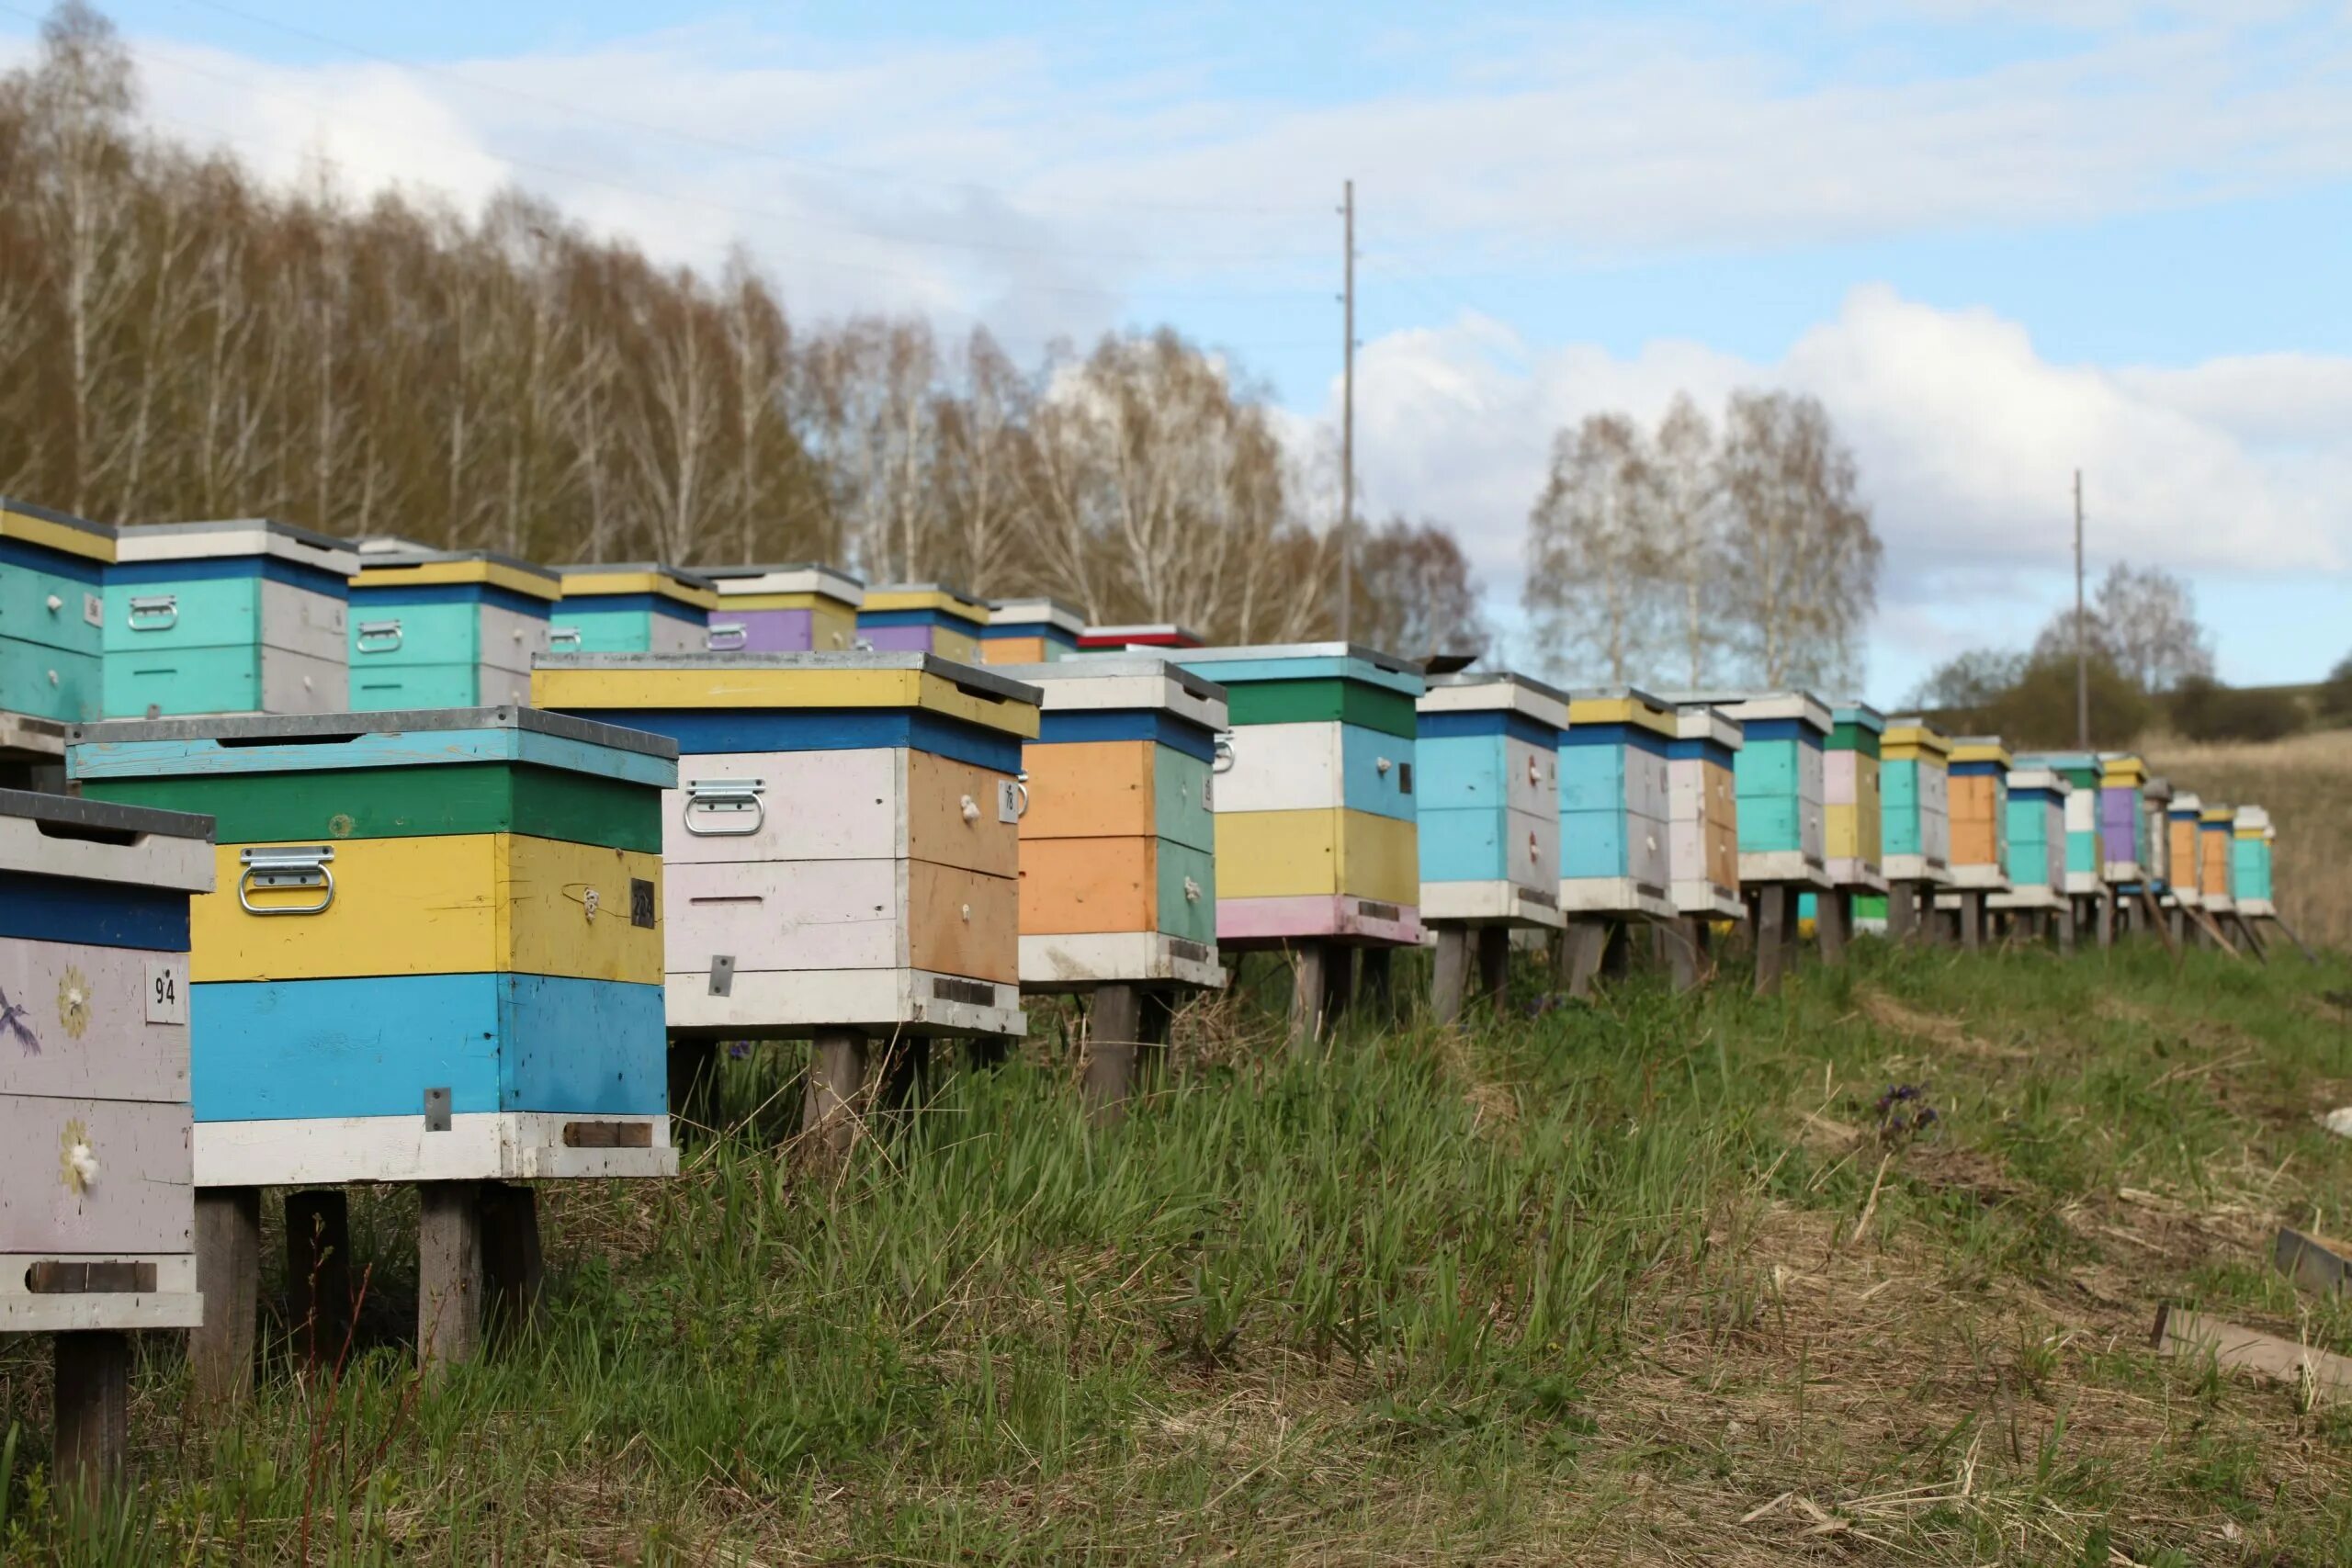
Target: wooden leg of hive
{"x": 1831, "y": 910}
{"x": 1308, "y": 963}
{"x": 318, "y": 1274}
{"x": 1972, "y": 921}
{"x": 1339, "y": 983}
{"x": 1771, "y": 943}
{"x": 2063, "y": 918}
{"x": 2105, "y": 914}
{"x": 1494, "y": 965}
{"x": 1376, "y": 984}
{"x": 227, "y": 1273}
{"x": 92, "y": 1405}
{"x": 448, "y": 1274}
{"x": 2253, "y": 940}
{"x": 834, "y": 1105}
{"x": 1682, "y": 938}
{"x": 2154, "y": 919}
{"x": 1902, "y": 909}
{"x": 1450, "y": 979}
{"x": 1582, "y": 946}
{"x": 1113, "y": 1041}
{"x": 513, "y": 1265}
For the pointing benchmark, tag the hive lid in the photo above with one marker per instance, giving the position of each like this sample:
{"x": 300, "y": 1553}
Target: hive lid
{"x": 1699, "y": 722}
{"x": 441, "y": 568}
{"x": 1306, "y": 661}
{"x": 2185, "y": 804}
{"x": 2251, "y": 819}
{"x": 2218, "y": 816}
{"x": 2023, "y": 778}
{"x": 141, "y": 747}
{"x": 593, "y": 580}
{"x": 1158, "y": 634}
{"x": 1913, "y": 736}
{"x": 98, "y": 840}
{"x": 2121, "y": 769}
{"x": 1861, "y": 714}
{"x": 57, "y": 531}
{"x": 940, "y": 596}
{"x": 620, "y": 682}
{"x": 1982, "y": 748}
{"x": 236, "y": 536}
{"x": 790, "y": 577}
{"x": 1038, "y": 610}
{"x": 103, "y": 815}
{"x": 1497, "y": 691}
{"x": 1622, "y": 704}
{"x": 1751, "y": 708}
{"x": 1098, "y": 682}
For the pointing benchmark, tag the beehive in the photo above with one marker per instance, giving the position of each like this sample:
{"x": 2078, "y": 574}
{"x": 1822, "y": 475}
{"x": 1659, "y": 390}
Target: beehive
{"x": 841, "y": 844}
{"x": 446, "y": 628}
{"x": 1853, "y": 815}
{"x": 1914, "y": 791}
{"x": 2037, "y": 841}
{"x": 1702, "y": 832}
{"x": 1030, "y": 631}
{"x": 1980, "y": 798}
{"x": 641, "y": 607}
{"x": 1616, "y": 805}
{"x": 2182, "y": 857}
{"x": 923, "y": 617}
{"x": 52, "y": 613}
{"x": 1782, "y": 784}
{"x": 234, "y": 618}
{"x": 1159, "y": 635}
{"x": 783, "y": 609}
{"x": 2156, "y": 804}
{"x": 2081, "y": 771}
{"x": 2251, "y": 835}
{"x": 1118, "y": 842}
{"x": 1316, "y": 821}
{"x": 2122, "y": 817}
{"x": 96, "y": 1201}
{"x": 1486, "y": 777}
{"x": 433, "y": 951}
{"x": 2216, "y": 841}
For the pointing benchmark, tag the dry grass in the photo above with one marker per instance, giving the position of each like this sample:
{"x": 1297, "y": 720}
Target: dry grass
{"x": 2305, "y": 782}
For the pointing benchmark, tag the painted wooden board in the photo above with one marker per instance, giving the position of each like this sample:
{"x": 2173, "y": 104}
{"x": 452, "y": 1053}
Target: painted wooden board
{"x": 54, "y": 909}
{"x": 1610, "y": 845}
{"x": 586, "y": 628}
{"x": 486, "y": 1147}
{"x": 1288, "y": 854}
{"x": 1489, "y": 771}
{"x": 405, "y": 739}
{"x": 2181, "y": 850}
{"x": 237, "y": 680}
{"x": 1617, "y": 895}
{"x": 205, "y": 541}
{"x": 691, "y": 592}
{"x": 610, "y": 683}
{"x": 247, "y": 610}
{"x": 944, "y": 642}
{"x": 457, "y": 904}
{"x": 51, "y": 600}
{"x": 172, "y": 1303}
{"x": 50, "y": 683}
{"x": 1305, "y": 767}
{"x": 797, "y": 584}
{"x": 867, "y": 804}
{"x": 996, "y": 650}
{"x": 1079, "y": 961}
{"x": 938, "y": 598}
{"x": 1254, "y": 704}
{"x": 456, "y": 568}
{"x": 386, "y": 803}
{"x": 1119, "y": 788}
{"x": 1290, "y": 663}
{"x": 1488, "y": 903}
{"x": 1148, "y": 684}
{"x": 373, "y": 1047}
{"x": 85, "y": 1176}
{"x": 836, "y": 915}
{"x": 2214, "y": 838}
{"x": 1518, "y": 846}
{"x": 38, "y": 526}
{"x": 784, "y": 1004}
{"x": 94, "y": 841}
{"x": 740, "y": 625}
{"x": 1117, "y": 885}
{"x": 1247, "y": 923}
{"x": 89, "y": 1022}
{"x": 1160, "y": 634}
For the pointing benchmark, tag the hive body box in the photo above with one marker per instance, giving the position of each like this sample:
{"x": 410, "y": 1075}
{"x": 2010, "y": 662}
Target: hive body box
{"x": 235, "y": 617}
{"x": 2081, "y": 771}
{"x": 1315, "y": 835}
{"x": 446, "y": 629}
{"x": 2182, "y": 857}
{"x": 1118, "y": 843}
{"x": 1487, "y": 781}
{"x": 1853, "y": 822}
{"x": 2216, "y": 838}
{"x": 1616, "y": 805}
{"x": 637, "y": 608}
{"x": 1914, "y": 789}
{"x": 1980, "y": 799}
{"x": 843, "y": 849}
{"x": 1030, "y": 631}
{"x": 95, "y": 1175}
{"x": 1703, "y": 835}
{"x": 1104, "y": 639}
{"x": 2250, "y": 863}
{"x": 434, "y": 948}
{"x": 52, "y": 613}
{"x": 2122, "y": 819}
{"x": 783, "y": 609}
{"x": 923, "y": 617}
{"x": 2037, "y": 841}
{"x": 1782, "y": 782}
{"x": 2155, "y": 806}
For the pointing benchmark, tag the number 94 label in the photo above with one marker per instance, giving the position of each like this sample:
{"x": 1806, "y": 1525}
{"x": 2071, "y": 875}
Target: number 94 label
{"x": 166, "y": 990}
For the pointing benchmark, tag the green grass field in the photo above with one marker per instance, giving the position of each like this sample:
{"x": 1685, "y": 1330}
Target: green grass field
{"x": 1657, "y": 1281}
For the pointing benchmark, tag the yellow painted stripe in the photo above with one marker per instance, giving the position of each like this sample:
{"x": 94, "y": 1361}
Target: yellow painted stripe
{"x": 2253, "y": 832}
{"x": 1982, "y": 754}
{"x": 724, "y": 686}
{"x": 2122, "y": 773}
{"x": 588, "y": 584}
{"x": 1914, "y": 738}
{"x": 457, "y": 904}
{"x": 1620, "y": 710}
{"x": 497, "y": 574}
{"x": 1275, "y": 854}
{"x": 2219, "y": 814}
{"x": 960, "y": 647}
{"x": 61, "y": 536}
{"x": 1844, "y": 832}
{"x": 927, "y": 599}
{"x": 780, "y": 600}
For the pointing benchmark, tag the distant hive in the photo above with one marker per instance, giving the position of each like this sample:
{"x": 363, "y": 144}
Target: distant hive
{"x": 244, "y": 617}
{"x": 1703, "y": 831}
{"x": 1916, "y": 802}
{"x": 1158, "y": 635}
{"x": 2251, "y": 835}
{"x": 795, "y": 608}
{"x": 638, "y": 607}
{"x": 448, "y": 630}
{"x": 1854, "y": 810}
{"x": 1035, "y": 630}
{"x": 2216, "y": 833}
{"x": 52, "y": 613}
{"x": 2036, "y": 851}
{"x": 923, "y": 617}
{"x": 1980, "y": 797}
{"x": 2184, "y": 857}
{"x": 1487, "y": 760}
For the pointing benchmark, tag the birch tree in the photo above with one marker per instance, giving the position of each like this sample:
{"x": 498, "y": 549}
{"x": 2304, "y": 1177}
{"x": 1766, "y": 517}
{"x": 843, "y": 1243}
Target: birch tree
{"x": 1590, "y": 555}
{"x": 1803, "y": 557}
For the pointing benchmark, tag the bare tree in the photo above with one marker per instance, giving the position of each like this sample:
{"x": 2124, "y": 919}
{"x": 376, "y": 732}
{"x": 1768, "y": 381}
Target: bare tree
{"x": 2142, "y": 621}
{"x": 1590, "y": 556}
{"x": 1803, "y": 559}
{"x": 1687, "y": 536}
{"x": 1417, "y": 595}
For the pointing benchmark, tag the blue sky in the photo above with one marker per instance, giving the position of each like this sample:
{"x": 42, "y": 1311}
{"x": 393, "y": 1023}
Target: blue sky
{"x": 1999, "y": 239}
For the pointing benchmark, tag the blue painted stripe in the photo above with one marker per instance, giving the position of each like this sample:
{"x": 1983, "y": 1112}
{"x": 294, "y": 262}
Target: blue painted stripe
{"x": 699, "y": 731}
{"x": 400, "y": 595}
{"x": 1488, "y": 721}
{"x": 1630, "y": 736}
{"x": 1977, "y": 770}
{"x": 919, "y": 618}
{"x": 215, "y": 569}
{"x": 640, "y": 603}
{"x": 1783, "y": 730}
{"x": 57, "y": 563}
{"x": 287, "y": 1049}
{"x": 101, "y": 914}
{"x": 1128, "y": 724}
{"x": 1000, "y": 630}
{"x": 429, "y": 749}
{"x": 1707, "y": 749}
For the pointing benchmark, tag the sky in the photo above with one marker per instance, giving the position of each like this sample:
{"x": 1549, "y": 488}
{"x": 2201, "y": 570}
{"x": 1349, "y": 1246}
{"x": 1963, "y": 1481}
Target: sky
{"x": 2001, "y": 240}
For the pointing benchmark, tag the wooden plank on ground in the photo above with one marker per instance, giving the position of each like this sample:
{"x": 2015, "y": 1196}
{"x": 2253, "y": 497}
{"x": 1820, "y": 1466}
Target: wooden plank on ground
{"x": 2193, "y": 1333}
{"x": 2314, "y": 1262}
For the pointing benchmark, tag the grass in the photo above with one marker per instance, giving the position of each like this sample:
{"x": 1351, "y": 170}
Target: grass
{"x": 1660, "y": 1279}
{"x": 2302, "y": 782}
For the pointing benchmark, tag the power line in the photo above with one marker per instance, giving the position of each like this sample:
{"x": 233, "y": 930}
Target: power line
{"x": 721, "y": 143}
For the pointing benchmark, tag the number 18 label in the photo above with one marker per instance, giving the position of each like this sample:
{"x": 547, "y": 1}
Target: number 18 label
{"x": 166, "y": 991}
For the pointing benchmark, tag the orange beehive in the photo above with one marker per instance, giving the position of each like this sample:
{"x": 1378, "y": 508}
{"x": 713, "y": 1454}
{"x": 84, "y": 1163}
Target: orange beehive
{"x": 1979, "y": 779}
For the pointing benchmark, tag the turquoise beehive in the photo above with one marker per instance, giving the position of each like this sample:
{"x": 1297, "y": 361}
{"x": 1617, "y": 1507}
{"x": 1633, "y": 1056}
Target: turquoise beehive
{"x": 446, "y": 628}
{"x": 1487, "y": 757}
{"x": 53, "y": 612}
{"x": 243, "y": 616}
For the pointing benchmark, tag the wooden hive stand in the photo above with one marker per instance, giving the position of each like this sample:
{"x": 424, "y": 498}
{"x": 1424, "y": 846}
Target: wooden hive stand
{"x": 639, "y": 607}
{"x": 923, "y": 617}
{"x": 1317, "y": 850}
{"x": 842, "y": 856}
{"x": 96, "y": 1205}
{"x": 446, "y": 628}
{"x": 2035, "y": 901}
{"x": 1980, "y": 834}
{"x": 1118, "y": 852}
{"x": 1488, "y": 822}
{"x": 432, "y": 956}
{"x": 52, "y": 630}
{"x": 796, "y": 608}
{"x": 1037, "y": 630}
{"x": 1915, "y": 793}
{"x": 236, "y": 617}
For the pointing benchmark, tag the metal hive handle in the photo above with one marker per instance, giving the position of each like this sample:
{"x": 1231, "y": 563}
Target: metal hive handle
{"x": 722, "y": 803}
{"x": 290, "y": 866}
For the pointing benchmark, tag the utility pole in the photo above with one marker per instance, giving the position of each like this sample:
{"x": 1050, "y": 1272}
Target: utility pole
{"x": 1348, "y": 414}
{"x": 2082, "y": 632}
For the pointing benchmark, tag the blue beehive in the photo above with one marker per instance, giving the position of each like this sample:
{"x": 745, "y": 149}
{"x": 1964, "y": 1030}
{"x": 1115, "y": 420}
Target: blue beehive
{"x": 1616, "y": 805}
{"x": 231, "y": 617}
{"x": 53, "y": 612}
{"x": 1487, "y": 756}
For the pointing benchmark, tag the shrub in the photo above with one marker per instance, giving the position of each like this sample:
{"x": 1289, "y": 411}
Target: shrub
{"x": 2205, "y": 710}
{"x": 2335, "y": 692}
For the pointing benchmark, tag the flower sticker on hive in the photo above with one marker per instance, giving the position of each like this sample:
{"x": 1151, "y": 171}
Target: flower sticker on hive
{"x": 73, "y": 1002}
{"x": 77, "y": 1162}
